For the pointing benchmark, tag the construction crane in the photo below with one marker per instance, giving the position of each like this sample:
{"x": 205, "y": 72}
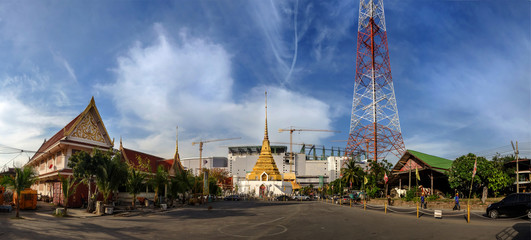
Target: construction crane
{"x": 291, "y": 130}
{"x": 207, "y": 141}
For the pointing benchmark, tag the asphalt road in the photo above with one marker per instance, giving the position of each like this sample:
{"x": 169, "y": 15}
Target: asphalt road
{"x": 263, "y": 220}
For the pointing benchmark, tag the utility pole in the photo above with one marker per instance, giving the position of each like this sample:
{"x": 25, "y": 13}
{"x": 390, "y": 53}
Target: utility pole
{"x": 517, "y": 170}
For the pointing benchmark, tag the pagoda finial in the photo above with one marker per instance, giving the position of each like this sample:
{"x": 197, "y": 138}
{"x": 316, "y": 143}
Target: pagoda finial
{"x": 121, "y": 146}
{"x": 176, "y": 142}
{"x": 266, "y": 134}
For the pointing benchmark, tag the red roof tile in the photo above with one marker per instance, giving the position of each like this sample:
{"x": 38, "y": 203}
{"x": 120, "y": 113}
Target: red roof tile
{"x": 154, "y": 161}
{"x": 58, "y": 136}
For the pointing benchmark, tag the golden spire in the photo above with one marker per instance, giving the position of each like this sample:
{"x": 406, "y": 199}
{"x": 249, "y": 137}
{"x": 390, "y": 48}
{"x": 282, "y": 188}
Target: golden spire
{"x": 176, "y": 158}
{"x": 265, "y": 168}
{"x": 266, "y": 134}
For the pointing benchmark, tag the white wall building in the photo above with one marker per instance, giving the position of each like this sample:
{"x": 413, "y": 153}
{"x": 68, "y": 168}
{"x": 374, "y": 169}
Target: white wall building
{"x": 208, "y": 163}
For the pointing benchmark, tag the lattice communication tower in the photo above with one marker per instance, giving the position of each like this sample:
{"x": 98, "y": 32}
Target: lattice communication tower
{"x": 374, "y": 125}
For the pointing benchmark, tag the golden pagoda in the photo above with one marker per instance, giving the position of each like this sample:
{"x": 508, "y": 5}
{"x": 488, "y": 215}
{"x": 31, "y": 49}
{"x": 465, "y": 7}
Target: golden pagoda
{"x": 265, "y": 168}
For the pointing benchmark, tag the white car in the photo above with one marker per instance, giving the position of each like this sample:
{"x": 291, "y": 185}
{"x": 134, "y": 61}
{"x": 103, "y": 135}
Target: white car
{"x": 301, "y": 198}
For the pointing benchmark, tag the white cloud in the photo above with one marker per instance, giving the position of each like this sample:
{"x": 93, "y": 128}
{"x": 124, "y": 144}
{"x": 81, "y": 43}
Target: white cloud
{"x": 188, "y": 82}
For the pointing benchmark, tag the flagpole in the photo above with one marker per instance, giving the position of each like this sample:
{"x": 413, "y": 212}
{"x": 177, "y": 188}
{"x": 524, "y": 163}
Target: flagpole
{"x": 470, "y": 192}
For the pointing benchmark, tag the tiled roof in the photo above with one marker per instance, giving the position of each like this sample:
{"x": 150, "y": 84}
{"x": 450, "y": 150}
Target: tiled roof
{"x": 433, "y": 161}
{"x": 58, "y": 136}
{"x": 154, "y": 161}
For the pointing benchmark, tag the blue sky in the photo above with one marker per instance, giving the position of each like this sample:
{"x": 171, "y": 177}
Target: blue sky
{"x": 461, "y": 71}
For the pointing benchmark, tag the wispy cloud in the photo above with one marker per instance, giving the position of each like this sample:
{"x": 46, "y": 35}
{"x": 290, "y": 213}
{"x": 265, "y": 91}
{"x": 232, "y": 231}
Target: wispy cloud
{"x": 188, "y": 82}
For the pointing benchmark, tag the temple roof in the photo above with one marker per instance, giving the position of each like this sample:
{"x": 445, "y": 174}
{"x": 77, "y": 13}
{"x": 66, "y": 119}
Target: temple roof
{"x": 71, "y": 127}
{"x": 132, "y": 158}
{"x": 425, "y": 161}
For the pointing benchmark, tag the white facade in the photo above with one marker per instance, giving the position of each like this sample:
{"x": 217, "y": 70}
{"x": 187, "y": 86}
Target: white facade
{"x": 270, "y": 188}
{"x": 208, "y": 163}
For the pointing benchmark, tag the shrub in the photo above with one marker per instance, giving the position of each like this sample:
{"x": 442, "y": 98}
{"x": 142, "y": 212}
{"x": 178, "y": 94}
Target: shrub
{"x": 433, "y": 197}
{"x": 410, "y": 195}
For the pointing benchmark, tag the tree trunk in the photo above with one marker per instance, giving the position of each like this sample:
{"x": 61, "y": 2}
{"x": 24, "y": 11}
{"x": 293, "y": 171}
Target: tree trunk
{"x": 484, "y": 196}
{"x": 134, "y": 200}
{"x": 156, "y": 197}
{"x": 89, "y": 196}
{"x": 18, "y": 204}
{"x": 66, "y": 208}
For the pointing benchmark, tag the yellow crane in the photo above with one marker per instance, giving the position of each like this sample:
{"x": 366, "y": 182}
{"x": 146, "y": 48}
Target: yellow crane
{"x": 291, "y": 130}
{"x": 207, "y": 141}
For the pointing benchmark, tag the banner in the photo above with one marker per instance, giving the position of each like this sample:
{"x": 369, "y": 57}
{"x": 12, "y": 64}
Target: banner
{"x": 385, "y": 177}
{"x": 417, "y": 173}
{"x": 475, "y": 167}
{"x": 365, "y": 180}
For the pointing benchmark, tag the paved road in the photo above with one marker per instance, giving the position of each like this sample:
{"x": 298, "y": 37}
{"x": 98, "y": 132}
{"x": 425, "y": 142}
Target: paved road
{"x": 262, "y": 220}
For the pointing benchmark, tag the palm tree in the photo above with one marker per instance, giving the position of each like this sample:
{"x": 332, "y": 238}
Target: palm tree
{"x": 111, "y": 175}
{"x": 69, "y": 185}
{"x": 23, "y": 179}
{"x": 134, "y": 183}
{"x": 159, "y": 181}
{"x": 352, "y": 174}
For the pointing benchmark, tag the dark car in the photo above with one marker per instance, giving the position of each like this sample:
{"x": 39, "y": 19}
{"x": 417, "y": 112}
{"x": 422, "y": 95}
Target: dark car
{"x": 232, "y": 198}
{"x": 283, "y": 198}
{"x": 516, "y": 204}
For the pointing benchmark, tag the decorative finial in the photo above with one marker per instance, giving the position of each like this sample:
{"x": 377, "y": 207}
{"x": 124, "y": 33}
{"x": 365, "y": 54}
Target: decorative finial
{"x": 266, "y": 133}
{"x": 121, "y": 146}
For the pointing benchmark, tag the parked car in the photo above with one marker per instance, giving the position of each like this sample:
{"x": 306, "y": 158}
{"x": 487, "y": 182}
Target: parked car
{"x": 283, "y": 198}
{"x": 232, "y": 198}
{"x": 343, "y": 200}
{"x": 301, "y": 198}
{"x": 516, "y": 204}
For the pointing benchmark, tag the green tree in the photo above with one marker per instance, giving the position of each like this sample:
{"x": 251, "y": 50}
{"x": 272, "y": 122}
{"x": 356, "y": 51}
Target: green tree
{"x": 86, "y": 167}
{"x": 134, "y": 184}
{"x": 460, "y": 173}
{"x": 112, "y": 173}
{"x": 69, "y": 185}
{"x": 498, "y": 180}
{"x": 375, "y": 176}
{"x": 159, "y": 181}
{"x": 23, "y": 179}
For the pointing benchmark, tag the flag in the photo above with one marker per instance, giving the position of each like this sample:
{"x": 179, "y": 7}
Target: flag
{"x": 365, "y": 180}
{"x": 417, "y": 173}
{"x": 475, "y": 167}
{"x": 385, "y": 177}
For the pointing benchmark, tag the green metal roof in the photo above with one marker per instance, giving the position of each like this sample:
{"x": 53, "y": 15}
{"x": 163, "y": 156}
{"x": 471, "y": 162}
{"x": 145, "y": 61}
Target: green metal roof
{"x": 433, "y": 161}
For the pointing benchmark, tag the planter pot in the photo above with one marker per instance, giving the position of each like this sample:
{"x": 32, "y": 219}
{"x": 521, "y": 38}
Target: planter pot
{"x": 163, "y": 206}
{"x": 109, "y": 210}
{"x": 59, "y": 211}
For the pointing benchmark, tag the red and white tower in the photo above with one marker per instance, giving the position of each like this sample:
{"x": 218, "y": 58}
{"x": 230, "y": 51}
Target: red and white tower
{"x": 374, "y": 125}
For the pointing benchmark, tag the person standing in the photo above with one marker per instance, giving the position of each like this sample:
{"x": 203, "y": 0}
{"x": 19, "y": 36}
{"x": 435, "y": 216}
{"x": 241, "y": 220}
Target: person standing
{"x": 457, "y": 206}
{"x": 422, "y": 203}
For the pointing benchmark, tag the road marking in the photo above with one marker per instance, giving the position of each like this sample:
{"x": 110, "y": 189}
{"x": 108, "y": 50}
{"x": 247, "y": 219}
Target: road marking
{"x": 251, "y": 228}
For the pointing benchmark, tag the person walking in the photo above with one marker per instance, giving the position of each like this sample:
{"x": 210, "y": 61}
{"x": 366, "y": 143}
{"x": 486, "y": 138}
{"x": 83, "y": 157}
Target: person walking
{"x": 457, "y": 206}
{"x": 422, "y": 203}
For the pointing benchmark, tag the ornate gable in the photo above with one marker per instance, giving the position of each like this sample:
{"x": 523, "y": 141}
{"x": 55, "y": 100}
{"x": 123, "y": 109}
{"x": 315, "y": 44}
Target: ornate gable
{"x": 88, "y": 129}
{"x": 89, "y": 126}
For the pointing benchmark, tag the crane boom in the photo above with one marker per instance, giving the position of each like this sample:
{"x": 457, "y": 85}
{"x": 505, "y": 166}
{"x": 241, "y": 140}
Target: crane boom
{"x": 214, "y": 140}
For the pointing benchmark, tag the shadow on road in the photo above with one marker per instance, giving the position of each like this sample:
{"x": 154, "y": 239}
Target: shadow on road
{"x": 517, "y": 231}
